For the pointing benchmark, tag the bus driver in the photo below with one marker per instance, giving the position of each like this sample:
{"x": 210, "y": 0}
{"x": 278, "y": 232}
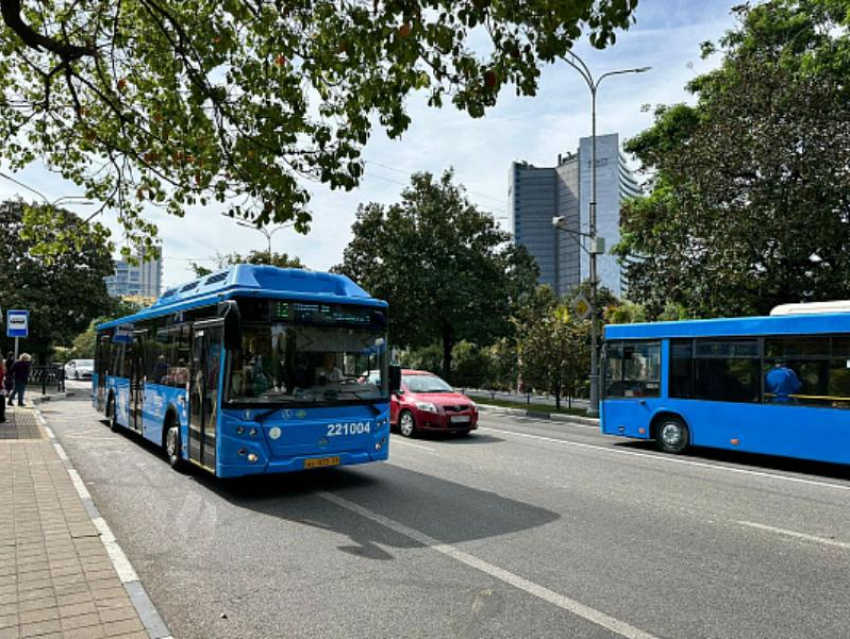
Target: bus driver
{"x": 328, "y": 371}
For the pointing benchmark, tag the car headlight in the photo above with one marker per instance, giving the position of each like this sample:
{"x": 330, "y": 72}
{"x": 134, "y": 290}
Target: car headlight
{"x": 428, "y": 407}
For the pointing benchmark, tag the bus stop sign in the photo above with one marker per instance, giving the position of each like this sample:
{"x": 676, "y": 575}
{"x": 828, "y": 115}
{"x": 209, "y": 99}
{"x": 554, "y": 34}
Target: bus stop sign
{"x": 17, "y": 323}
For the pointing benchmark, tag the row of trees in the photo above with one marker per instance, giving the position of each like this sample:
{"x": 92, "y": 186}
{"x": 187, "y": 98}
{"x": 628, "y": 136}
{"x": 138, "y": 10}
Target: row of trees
{"x": 750, "y": 186}
{"x": 63, "y": 292}
{"x": 464, "y": 300}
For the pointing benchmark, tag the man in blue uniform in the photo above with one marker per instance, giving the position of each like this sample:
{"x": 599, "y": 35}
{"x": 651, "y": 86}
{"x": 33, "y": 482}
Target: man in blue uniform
{"x": 781, "y": 382}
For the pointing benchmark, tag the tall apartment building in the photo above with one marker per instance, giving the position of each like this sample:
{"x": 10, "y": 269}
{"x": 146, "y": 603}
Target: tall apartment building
{"x": 537, "y": 194}
{"x": 142, "y": 281}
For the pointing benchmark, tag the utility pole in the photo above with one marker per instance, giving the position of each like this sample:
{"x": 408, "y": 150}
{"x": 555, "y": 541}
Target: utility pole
{"x": 593, "y": 84}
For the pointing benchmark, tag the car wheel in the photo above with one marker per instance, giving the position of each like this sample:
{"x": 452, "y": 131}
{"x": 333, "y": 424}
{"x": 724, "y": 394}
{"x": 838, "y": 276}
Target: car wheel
{"x": 172, "y": 444}
{"x": 672, "y": 435}
{"x": 407, "y": 424}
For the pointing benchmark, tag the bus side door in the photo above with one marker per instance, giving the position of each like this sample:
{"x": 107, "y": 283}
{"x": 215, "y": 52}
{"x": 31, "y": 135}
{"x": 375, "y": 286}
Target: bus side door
{"x": 137, "y": 380}
{"x": 207, "y": 351}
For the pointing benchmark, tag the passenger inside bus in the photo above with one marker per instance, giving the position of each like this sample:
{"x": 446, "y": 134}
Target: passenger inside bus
{"x": 780, "y": 383}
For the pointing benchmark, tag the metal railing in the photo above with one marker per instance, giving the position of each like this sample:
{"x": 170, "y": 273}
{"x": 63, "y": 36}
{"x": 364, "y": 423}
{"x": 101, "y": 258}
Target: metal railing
{"x": 48, "y": 377}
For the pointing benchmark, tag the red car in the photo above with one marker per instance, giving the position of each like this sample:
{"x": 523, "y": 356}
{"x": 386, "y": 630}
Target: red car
{"x": 427, "y": 403}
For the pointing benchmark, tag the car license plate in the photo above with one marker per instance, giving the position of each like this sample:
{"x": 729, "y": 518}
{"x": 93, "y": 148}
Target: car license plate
{"x": 460, "y": 419}
{"x": 321, "y": 462}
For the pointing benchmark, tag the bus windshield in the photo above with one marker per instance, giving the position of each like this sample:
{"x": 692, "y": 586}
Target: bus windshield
{"x": 282, "y": 363}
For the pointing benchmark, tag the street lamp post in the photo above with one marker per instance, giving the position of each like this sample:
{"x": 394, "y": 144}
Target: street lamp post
{"x": 266, "y": 232}
{"x": 262, "y": 229}
{"x": 593, "y": 84}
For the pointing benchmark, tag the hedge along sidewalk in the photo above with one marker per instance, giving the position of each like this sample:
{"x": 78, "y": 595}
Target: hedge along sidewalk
{"x": 59, "y": 575}
{"x": 536, "y": 414}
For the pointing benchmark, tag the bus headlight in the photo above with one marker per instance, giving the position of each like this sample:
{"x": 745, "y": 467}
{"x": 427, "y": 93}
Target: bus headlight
{"x": 252, "y": 457}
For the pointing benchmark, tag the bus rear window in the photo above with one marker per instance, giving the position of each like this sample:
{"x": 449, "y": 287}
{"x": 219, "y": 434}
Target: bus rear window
{"x": 632, "y": 369}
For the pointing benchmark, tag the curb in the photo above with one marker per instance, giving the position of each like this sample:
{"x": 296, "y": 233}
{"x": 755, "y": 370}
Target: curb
{"x": 534, "y": 414}
{"x": 148, "y": 614}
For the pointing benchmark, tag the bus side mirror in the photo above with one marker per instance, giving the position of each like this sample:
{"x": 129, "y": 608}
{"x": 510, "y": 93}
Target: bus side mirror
{"x": 395, "y": 378}
{"x": 229, "y": 310}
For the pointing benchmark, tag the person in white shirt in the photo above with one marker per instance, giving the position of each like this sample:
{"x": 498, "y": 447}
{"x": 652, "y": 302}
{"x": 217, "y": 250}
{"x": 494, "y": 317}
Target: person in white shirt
{"x": 328, "y": 371}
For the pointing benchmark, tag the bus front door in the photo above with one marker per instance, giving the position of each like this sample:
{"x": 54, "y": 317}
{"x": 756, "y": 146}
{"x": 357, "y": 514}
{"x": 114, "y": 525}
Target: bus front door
{"x": 137, "y": 381}
{"x": 104, "y": 363}
{"x": 203, "y": 390}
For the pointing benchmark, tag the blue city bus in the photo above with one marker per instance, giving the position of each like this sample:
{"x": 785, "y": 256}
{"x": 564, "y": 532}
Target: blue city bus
{"x": 254, "y": 369}
{"x": 777, "y": 385}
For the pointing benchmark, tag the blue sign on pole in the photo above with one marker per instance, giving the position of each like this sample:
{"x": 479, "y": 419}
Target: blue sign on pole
{"x": 17, "y": 323}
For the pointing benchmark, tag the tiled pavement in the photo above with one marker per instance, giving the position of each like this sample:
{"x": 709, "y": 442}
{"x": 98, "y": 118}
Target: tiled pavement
{"x": 56, "y": 579}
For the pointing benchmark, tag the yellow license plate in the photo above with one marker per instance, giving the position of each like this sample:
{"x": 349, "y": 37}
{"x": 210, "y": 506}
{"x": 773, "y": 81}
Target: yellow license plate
{"x": 322, "y": 462}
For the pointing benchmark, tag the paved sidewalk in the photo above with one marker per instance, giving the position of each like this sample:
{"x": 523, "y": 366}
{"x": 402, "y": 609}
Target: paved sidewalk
{"x": 56, "y": 578}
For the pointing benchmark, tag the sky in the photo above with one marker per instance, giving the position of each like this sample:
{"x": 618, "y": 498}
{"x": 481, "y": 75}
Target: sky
{"x": 666, "y": 36}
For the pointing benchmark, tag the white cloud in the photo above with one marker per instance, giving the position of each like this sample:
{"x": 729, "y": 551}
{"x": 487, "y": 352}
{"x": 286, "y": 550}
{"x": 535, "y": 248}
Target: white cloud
{"x": 666, "y": 37}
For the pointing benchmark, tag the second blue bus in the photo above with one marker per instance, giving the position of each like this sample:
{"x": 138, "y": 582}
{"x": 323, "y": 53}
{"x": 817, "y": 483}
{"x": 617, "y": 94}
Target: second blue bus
{"x": 777, "y": 385}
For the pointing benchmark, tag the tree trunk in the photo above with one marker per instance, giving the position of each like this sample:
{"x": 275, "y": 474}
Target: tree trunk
{"x": 447, "y": 353}
{"x": 557, "y": 398}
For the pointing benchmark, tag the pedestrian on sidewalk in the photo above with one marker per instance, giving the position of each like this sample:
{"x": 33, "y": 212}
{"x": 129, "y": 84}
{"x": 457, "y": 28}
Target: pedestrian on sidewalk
{"x": 9, "y": 384}
{"x": 20, "y": 374}
{"x": 2, "y": 391}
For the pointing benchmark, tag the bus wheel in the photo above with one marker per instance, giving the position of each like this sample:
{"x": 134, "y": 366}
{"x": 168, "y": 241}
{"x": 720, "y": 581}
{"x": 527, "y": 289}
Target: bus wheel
{"x": 672, "y": 435}
{"x": 406, "y": 424}
{"x": 172, "y": 444}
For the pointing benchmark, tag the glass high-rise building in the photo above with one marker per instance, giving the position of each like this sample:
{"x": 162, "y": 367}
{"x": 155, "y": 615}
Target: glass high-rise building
{"x": 537, "y": 194}
{"x": 142, "y": 281}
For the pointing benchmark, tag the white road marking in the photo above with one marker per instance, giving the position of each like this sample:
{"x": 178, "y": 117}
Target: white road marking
{"x": 675, "y": 460}
{"x": 120, "y": 562}
{"x": 797, "y": 535}
{"x": 396, "y": 441}
{"x": 60, "y": 451}
{"x": 82, "y": 491}
{"x": 541, "y": 592}
{"x": 551, "y": 422}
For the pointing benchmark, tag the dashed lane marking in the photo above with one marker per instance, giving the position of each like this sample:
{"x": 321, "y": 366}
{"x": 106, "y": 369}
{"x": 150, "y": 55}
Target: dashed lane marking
{"x": 796, "y": 535}
{"x": 541, "y": 592}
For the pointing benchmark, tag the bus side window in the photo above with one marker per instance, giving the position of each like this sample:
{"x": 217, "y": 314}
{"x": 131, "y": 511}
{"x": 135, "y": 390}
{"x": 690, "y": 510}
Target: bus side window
{"x": 633, "y": 369}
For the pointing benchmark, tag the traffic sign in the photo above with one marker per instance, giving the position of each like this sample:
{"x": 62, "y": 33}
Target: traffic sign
{"x": 581, "y": 306}
{"x": 17, "y": 323}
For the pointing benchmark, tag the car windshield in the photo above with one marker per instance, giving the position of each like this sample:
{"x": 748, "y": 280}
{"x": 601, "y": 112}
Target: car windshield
{"x": 285, "y": 363}
{"x": 426, "y": 384}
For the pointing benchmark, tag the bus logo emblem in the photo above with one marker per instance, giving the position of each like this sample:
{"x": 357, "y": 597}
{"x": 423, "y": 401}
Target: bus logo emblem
{"x": 301, "y": 414}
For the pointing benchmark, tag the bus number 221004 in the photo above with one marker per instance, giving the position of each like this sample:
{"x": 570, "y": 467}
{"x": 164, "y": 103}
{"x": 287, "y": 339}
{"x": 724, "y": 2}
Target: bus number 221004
{"x": 351, "y": 428}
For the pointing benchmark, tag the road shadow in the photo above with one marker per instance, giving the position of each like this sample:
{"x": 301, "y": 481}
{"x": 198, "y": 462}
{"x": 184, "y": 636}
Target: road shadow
{"x": 446, "y": 511}
{"x": 752, "y": 461}
{"x": 474, "y": 438}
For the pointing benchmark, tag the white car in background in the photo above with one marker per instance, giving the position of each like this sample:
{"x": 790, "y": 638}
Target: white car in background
{"x": 79, "y": 369}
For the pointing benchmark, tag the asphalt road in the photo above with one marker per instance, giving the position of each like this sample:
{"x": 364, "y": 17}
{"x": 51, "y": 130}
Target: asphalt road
{"x": 525, "y": 529}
